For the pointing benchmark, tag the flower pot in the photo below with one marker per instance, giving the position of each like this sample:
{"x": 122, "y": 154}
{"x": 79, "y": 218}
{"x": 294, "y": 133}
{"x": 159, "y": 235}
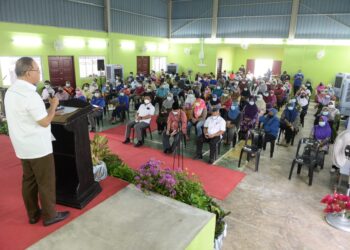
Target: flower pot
{"x": 100, "y": 171}
{"x": 219, "y": 241}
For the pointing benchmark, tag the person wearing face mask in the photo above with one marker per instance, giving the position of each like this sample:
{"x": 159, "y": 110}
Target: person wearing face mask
{"x": 250, "y": 114}
{"x": 79, "y": 95}
{"x": 121, "y": 107}
{"x": 333, "y": 115}
{"x": 280, "y": 96}
{"x": 197, "y": 116}
{"x": 164, "y": 113}
{"x": 260, "y": 103}
{"x": 226, "y": 102}
{"x": 86, "y": 91}
{"x": 232, "y": 122}
{"x": 93, "y": 86}
{"x": 176, "y": 127}
{"x": 69, "y": 89}
{"x": 161, "y": 94}
{"x": 214, "y": 103}
{"x": 189, "y": 101}
{"x": 322, "y": 132}
{"x": 47, "y": 91}
{"x": 98, "y": 103}
{"x": 126, "y": 90}
{"x": 61, "y": 94}
{"x": 254, "y": 89}
{"x": 214, "y": 128}
{"x": 308, "y": 85}
{"x": 303, "y": 102}
{"x": 142, "y": 120}
{"x": 289, "y": 123}
{"x": 218, "y": 91}
{"x": 138, "y": 93}
{"x": 271, "y": 125}
{"x": 298, "y": 80}
{"x": 175, "y": 91}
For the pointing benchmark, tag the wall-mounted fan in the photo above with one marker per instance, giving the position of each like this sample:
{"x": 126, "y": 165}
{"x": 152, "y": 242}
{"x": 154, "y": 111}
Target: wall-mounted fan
{"x": 341, "y": 158}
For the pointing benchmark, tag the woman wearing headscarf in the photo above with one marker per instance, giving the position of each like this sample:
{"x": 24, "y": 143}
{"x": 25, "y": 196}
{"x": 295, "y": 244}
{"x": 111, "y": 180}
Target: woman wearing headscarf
{"x": 249, "y": 117}
{"x": 197, "y": 116}
{"x": 226, "y": 103}
{"x": 218, "y": 91}
{"x": 254, "y": 88}
{"x": 333, "y": 115}
{"x": 260, "y": 103}
{"x": 162, "y": 118}
{"x": 303, "y": 102}
{"x": 280, "y": 95}
{"x": 322, "y": 133}
{"x": 271, "y": 125}
{"x": 207, "y": 93}
{"x": 289, "y": 123}
{"x": 232, "y": 122}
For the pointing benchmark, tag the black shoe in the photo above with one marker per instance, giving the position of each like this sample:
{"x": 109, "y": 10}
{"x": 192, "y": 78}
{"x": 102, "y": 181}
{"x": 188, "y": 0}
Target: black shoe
{"x": 36, "y": 218}
{"x": 210, "y": 161}
{"x": 138, "y": 144}
{"x": 198, "y": 157}
{"x": 59, "y": 217}
{"x": 93, "y": 130}
{"x": 126, "y": 141}
{"x": 166, "y": 151}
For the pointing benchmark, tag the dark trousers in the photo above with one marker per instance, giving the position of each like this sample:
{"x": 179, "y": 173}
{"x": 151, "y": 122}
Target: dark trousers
{"x": 212, "y": 145}
{"x": 295, "y": 89}
{"x": 39, "y": 178}
{"x": 166, "y": 141}
{"x": 138, "y": 126}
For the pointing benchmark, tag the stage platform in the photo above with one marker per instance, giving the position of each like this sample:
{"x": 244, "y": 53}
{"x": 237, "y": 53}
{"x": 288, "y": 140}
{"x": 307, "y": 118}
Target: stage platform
{"x": 131, "y": 220}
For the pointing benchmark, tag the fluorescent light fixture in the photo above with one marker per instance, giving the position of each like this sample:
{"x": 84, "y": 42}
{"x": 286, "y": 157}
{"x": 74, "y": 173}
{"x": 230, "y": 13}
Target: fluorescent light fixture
{"x": 266, "y": 41}
{"x": 322, "y": 42}
{"x": 163, "y": 47}
{"x": 151, "y": 47}
{"x": 185, "y": 40}
{"x": 27, "y": 41}
{"x": 97, "y": 44}
{"x": 74, "y": 43}
{"x": 127, "y": 45}
{"x": 213, "y": 40}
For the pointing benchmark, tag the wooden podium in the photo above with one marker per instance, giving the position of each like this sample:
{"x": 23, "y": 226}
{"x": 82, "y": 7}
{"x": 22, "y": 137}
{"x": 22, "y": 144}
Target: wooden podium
{"x": 75, "y": 184}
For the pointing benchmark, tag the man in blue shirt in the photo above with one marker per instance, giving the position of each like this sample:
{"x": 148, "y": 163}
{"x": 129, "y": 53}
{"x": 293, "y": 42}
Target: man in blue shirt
{"x": 122, "y": 105}
{"x": 298, "y": 80}
{"x": 161, "y": 94}
{"x": 271, "y": 125}
{"x": 98, "y": 102}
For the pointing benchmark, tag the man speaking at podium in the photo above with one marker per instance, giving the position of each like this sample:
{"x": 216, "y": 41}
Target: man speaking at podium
{"x": 30, "y": 133}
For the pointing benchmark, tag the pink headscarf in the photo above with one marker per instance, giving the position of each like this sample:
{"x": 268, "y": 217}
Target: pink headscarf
{"x": 199, "y": 105}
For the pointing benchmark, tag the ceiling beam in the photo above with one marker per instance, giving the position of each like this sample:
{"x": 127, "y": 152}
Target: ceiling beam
{"x": 293, "y": 19}
{"x": 214, "y": 22}
{"x": 170, "y": 9}
{"x": 107, "y": 15}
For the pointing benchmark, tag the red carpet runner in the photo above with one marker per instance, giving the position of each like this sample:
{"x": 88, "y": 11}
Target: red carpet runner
{"x": 15, "y": 231}
{"x": 217, "y": 181}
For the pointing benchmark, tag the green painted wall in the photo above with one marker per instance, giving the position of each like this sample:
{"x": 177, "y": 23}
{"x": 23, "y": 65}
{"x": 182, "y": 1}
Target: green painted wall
{"x": 293, "y": 57}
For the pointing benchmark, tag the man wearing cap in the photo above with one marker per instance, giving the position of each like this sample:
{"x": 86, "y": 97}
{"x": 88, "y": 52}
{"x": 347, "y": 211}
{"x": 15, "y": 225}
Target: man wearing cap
{"x": 176, "y": 124}
{"x": 142, "y": 120}
{"x": 214, "y": 128}
{"x": 271, "y": 125}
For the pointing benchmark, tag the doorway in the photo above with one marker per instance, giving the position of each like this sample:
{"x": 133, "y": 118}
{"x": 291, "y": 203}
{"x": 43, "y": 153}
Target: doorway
{"x": 218, "y": 68}
{"x": 143, "y": 65}
{"x": 61, "y": 69}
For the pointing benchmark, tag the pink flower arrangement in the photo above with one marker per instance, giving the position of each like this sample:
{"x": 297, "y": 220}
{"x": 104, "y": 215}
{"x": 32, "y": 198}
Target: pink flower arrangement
{"x": 336, "y": 203}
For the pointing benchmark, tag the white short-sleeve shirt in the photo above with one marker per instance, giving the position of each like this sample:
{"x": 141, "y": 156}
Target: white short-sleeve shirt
{"x": 24, "y": 107}
{"x": 215, "y": 124}
{"x": 145, "y": 110}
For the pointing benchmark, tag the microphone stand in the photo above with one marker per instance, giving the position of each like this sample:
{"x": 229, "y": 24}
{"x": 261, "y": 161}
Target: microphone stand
{"x": 179, "y": 149}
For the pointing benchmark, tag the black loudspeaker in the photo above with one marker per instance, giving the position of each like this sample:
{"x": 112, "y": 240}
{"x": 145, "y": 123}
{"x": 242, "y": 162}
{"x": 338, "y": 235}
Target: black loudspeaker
{"x": 100, "y": 64}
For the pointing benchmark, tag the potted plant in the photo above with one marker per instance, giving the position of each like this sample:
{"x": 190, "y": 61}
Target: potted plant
{"x": 99, "y": 150}
{"x": 3, "y": 127}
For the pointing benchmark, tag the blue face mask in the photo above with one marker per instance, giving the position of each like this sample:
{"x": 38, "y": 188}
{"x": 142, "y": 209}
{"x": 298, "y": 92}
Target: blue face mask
{"x": 290, "y": 108}
{"x": 233, "y": 107}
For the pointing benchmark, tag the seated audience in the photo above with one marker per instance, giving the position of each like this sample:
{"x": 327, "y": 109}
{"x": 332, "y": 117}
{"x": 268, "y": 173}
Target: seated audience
{"x": 61, "y": 94}
{"x": 98, "y": 102}
{"x": 214, "y": 128}
{"x": 249, "y": 118}
{"x": 69, "y": 89}
{"x": 175, "y": 128}
{"x": 232, "y": 122}
{"x": 197, "y": 116}
{"x": 289, "y": 122}
{"x": 164, "y": 112}
{"x": 142, "y": 120}
{"x": 121, "y": 107}
{"x": 271, "y": 125}
{"x": 47, "y": 91}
